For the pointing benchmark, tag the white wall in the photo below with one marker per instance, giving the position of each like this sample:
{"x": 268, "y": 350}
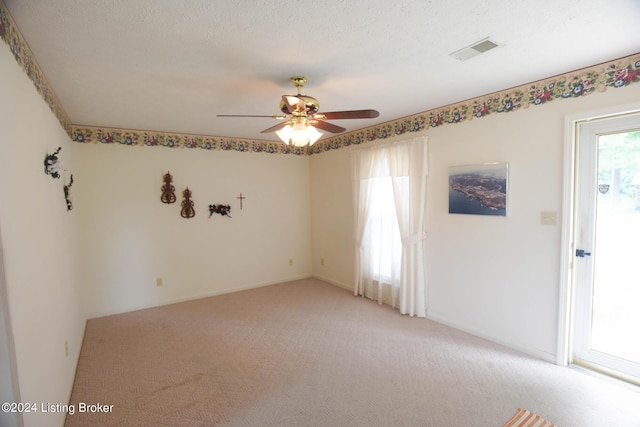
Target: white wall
{"x": 39, "y": 242}
{"x": 129, "y": 238}
{"x": 497, "y": 277}
{"x": 332, "y": 218}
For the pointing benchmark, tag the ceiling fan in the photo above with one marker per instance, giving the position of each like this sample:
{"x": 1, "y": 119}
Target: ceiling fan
{"x": 302, "y": 119}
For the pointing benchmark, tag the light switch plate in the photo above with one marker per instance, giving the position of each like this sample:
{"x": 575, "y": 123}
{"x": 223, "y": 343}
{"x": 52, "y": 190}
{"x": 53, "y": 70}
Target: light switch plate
{"x": 548, "y": 218}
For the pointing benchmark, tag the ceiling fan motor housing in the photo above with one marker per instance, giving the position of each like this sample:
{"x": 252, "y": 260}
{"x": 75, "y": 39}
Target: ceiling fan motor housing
{"x": 312, "y": 105}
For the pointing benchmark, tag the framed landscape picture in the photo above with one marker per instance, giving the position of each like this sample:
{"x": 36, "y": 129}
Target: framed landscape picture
{"x": 478, "y": 189}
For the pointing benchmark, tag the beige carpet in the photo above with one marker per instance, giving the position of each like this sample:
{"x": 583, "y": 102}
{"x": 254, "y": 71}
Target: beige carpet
{"x": 306, "y": 353}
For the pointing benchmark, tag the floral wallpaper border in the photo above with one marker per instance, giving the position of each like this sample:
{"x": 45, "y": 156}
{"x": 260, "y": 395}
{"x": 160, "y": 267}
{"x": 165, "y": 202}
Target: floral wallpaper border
{"x": 105, "y": 135}
{"x": 616, "y": 74}
{"x": 599, "y": 78}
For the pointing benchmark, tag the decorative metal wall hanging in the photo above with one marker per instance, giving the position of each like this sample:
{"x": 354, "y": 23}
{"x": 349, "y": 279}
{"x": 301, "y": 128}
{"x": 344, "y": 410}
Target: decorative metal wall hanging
{"x": 67, "y": 194}
{"x": 52, "y": 165}
{"x": 187, "y": 205}
{"x": 223, "y": 210}
{"x": 241, "y": 197}
{"x": 168, "y": 190}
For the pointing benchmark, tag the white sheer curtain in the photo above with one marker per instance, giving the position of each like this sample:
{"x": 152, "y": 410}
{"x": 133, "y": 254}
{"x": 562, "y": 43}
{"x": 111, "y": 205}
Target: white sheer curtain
{"x": 390, "y": 256}
{"x": 378, "y": 242}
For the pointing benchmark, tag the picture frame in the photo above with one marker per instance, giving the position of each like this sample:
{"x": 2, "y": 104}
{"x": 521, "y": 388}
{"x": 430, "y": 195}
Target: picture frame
{"x": 479, "y": 189}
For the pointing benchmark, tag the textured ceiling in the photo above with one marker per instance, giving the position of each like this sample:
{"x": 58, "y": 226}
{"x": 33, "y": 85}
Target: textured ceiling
{"x": 171, "y": 66}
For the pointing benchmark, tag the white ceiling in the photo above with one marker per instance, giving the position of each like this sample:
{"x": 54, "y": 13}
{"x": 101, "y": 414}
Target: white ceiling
{"x": 172, "y": 66}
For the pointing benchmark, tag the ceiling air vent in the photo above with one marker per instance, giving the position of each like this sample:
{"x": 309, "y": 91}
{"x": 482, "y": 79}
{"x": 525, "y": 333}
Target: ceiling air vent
{"x": 474, "y": 49}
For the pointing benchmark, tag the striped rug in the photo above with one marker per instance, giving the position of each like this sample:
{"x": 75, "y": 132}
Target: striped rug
{"x": 524, "y": 418}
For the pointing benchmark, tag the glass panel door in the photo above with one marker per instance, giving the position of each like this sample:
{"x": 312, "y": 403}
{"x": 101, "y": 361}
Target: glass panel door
{"x": 615, "y": 328}
{"x": 607, "y": 327}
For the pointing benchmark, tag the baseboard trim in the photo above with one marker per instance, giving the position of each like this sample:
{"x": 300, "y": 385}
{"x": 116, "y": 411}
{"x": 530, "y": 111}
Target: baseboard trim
{"x": 193, "y": 297}
{"x": 547, "y": 357}
{"x": 339, "y": 284}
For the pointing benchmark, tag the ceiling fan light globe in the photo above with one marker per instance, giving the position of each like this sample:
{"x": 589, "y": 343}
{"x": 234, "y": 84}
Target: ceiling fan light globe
{"x": 299, "y": 135}
{"x": 285, "y": 133}
{"x": 313, "y": 134}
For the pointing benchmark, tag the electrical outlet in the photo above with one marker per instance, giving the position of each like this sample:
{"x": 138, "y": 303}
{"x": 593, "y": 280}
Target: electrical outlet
{"x": 548, "y": 218}
{"x": 159, "y": 281}
{"x": 290, "y": 261}
{"x": 66, "y": 349}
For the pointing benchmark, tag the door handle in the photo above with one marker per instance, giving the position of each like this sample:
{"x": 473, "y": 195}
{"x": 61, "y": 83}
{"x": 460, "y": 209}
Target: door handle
{"x": 581, "y": 253}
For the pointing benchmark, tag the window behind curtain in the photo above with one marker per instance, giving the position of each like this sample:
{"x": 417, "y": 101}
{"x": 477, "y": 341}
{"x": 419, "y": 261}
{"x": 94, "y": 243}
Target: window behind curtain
{"x": 389, "y": 195}
{"x": 382, "y": 234}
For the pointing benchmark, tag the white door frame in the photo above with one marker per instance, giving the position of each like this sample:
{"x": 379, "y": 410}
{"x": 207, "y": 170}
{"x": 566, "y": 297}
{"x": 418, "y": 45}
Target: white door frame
{"x": 566, "y": 296}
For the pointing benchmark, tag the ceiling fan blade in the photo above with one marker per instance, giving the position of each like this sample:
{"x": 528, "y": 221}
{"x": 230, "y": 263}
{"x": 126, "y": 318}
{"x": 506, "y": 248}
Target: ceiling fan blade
{"x": 293, "y": 103}
{"x": 276, "y": 127}
{"x": 353, "y": 114}
{"x": 329, "y": 127}
{"x": 250, "y": 115}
